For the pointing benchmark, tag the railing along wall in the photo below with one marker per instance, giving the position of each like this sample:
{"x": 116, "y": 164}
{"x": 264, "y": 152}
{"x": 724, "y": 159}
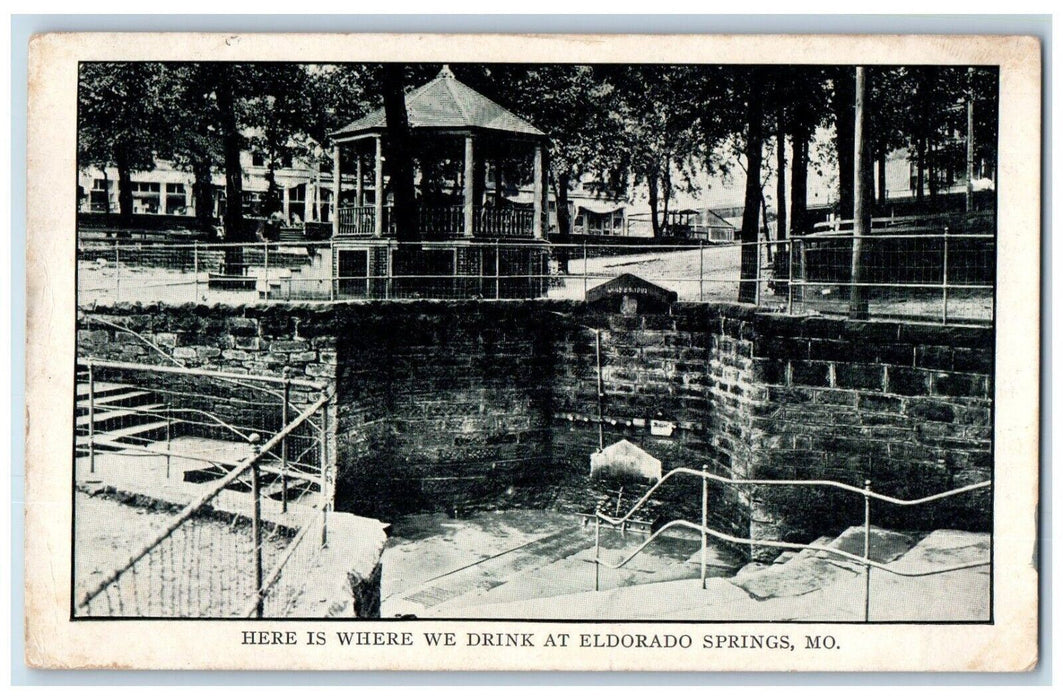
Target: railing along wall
{"x": 220, "y": 551}
{"x": 864, "y": 561}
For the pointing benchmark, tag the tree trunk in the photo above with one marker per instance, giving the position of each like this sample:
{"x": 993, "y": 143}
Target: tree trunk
{"x": 203, "y": 194}
{"x": 106, "y": 192}
{"x": 564, "y": 221}
{"x": 273, "y": 201}
{"x": 125, "y": 188}
{"x": 920, "y": 163}
{"x": 862, "y": 212}
{"x": 666, "y": 190}
{"x": 764, "y": 226}
{"x": 651, "y": 184}
{"x": 399, "y": 156}
{"x": 931, "y": 174}
{"x": 652, "y": 187}
{"x": 234, "y": 176}
{"x": 923, "y": 129}
{"x": 780, "y": 180}
{"x": 747, "y": 289}
{"x": 882, "y": 181}
{"x": 844, "y": 122}
{"x": 799, "y": 181}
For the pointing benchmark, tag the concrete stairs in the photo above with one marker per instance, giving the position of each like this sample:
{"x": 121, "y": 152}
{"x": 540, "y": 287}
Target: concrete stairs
{"x": 552, "y": 577}
{"x": 122, "y": 415}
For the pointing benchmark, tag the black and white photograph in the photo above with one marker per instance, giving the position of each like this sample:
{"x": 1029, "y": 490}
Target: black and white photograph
{"x": 526, "y": 341}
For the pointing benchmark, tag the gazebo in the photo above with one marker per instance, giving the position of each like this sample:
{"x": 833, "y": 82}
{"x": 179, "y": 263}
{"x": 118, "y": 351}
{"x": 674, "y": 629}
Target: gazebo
{"x": 470, "y": 156}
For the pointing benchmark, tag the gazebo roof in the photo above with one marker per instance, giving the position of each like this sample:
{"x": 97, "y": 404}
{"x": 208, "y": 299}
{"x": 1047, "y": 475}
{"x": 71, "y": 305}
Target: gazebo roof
{"x": 446, "y": 103}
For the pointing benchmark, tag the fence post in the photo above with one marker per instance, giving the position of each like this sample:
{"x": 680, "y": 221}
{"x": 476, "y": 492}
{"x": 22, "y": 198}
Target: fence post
{"x": 756, "y": 293}
{"x": 169, "y": 433}
{"x": 601, "y": 392}
{"x": 597, "y": 546}
{"x": 284, "y": 442}
{"x": 704, "y": 523}
{"x": 195, "y": 271}
{"x": 498, "y": 272}
{"x": 790, "y": 277}
{"x": 331, "y": 278}
{"x": 92, "y": 422}
{"x": 867, "y": 550}
{"x": 326, "y": 474}
{"x": 265, "y": 258}
{"x": 701, "y": 270}
{"x": 945, "y": 277}
{"x": 584, "y": 269}
{"x": 256, "y": 532}
{"x": 117, "y": 274}
{"x": 388, "y": 272}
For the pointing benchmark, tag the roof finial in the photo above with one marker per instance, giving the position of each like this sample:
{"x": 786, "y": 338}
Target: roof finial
{"x": 446, "y": 72}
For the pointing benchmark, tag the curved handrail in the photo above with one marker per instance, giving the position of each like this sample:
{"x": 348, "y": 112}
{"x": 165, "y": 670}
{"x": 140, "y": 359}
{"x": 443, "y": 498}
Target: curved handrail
{"x": 863, "y": 561}
{"x": 705, "y": 474}
{"x": 232, "y": 380}
{"x": 189, "y": 510}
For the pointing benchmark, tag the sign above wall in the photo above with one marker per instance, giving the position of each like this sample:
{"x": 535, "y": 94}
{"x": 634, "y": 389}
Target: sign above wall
{"x": 630, "y": 294}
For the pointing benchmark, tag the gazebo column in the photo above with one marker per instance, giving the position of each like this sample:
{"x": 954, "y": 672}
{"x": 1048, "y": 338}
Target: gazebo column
{"x": 335, "y": 190}
{"x": 539, "y": 193}
{"x": 378, "y": 184}
{"x": 359, "y": 189}
{"x": 498, "y": 181}
{"x": 468, "y": 185}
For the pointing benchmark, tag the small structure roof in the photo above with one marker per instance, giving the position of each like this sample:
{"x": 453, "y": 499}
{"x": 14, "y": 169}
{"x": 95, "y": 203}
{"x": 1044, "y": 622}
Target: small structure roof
{"x": 446, "y": 103}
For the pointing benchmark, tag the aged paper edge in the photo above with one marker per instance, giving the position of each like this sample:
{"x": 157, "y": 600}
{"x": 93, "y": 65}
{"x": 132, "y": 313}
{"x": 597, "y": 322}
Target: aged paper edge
{"x": 52, "y": 641}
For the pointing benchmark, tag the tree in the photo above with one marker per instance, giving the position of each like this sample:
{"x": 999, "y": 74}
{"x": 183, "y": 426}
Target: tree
{"x": 121, "y": 121}
{"x": 400, "y": 156}
{"x": 843, "y": 103}
{"x": 192, "y": 118}
{"x": 747, "y": 289}
{"x": 664, "y": 129}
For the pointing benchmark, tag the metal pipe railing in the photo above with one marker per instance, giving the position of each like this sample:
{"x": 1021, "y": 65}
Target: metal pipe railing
{"x": 865, "y": 561}
{"x": 186, "y": 513}
{"x": 951, "y": 271}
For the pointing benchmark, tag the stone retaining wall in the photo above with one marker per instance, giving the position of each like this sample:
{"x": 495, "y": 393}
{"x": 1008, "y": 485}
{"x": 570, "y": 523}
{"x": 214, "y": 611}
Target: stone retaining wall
{"x": 447, "y": 405}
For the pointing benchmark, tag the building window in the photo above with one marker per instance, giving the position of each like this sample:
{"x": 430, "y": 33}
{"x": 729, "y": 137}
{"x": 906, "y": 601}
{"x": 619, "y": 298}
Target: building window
{"x": 176, "y": 202}
{"x": 253, "y": 203}
{"x": 258, "y": 160}
{"x": 297, "y": 204}
{"x": 146, "y": 197}
{"x": 100, "y": 196}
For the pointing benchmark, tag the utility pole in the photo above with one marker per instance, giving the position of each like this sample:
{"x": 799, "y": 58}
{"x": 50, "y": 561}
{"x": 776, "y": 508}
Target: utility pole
{"x": 970, "y": 140}
{"x": 861, "y": 203}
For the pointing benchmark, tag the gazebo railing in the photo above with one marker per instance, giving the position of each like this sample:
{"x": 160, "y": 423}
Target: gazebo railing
{"x": 362, "y": 220}
{"x": 494, "y": 222}
{"x": 504, "y": 222}
{"x": 441, "y": 220}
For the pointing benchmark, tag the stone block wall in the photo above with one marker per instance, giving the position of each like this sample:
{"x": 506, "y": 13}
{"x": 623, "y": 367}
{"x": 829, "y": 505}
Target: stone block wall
{"x": 259, "y": 340}
{"x": 443, "y": 405}
{"x": 450, "y": 405}
{"x": 906, "y": 406}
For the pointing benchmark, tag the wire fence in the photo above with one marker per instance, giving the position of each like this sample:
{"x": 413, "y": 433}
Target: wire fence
{"x": 927, "y": 269}
{"x": 248, "y": 458}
